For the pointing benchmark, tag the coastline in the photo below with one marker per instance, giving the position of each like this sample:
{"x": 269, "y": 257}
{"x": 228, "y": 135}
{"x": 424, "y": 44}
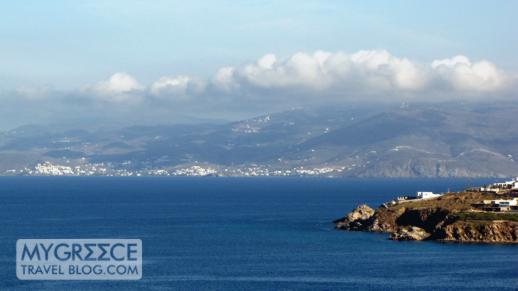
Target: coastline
{"x": 451, "y": 217}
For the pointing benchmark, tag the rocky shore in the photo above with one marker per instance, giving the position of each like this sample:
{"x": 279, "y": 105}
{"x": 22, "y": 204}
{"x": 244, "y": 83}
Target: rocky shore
{"x": 447, "y": 218}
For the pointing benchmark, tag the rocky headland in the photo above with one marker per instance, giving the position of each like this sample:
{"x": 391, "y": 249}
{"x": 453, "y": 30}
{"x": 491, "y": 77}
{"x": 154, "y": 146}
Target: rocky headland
{"x": 450, "y": 217}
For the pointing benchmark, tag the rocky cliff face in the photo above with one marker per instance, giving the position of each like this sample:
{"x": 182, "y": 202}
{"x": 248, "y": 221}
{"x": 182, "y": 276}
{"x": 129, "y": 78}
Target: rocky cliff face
{"x": 364, "y": 218}
{"x": 410, "y": 233}
{"x": 359, "y": 219}
{"x": 431, "y": 220}
{"x": 481, "y": 231}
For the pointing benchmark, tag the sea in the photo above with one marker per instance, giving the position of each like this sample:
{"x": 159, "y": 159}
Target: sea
{"x": 212, "y": 233}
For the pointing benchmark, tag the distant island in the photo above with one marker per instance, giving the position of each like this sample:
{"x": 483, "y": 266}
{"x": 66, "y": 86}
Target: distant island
{"x": 419, "y": 140}
{"x": 487, "y": 214}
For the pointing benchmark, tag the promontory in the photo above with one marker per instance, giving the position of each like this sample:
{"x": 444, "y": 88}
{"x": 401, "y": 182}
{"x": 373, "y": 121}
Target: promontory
{"x": 479, "y": 215}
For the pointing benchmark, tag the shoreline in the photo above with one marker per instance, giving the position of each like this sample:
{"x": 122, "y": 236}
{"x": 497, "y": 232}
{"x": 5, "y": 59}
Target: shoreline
{"x": 456, "y": 217}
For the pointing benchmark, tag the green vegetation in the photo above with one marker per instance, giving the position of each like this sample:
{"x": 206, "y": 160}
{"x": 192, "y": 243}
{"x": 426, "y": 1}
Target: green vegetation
{"x": 487, "y": 216}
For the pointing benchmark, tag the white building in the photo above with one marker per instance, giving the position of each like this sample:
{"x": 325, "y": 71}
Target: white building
{"x": 502, "y": 202}
{"x": 427, "y": 195}
{"x": 502, "y": 186}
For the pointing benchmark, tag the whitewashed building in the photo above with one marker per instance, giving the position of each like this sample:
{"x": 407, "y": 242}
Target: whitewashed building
{"x": 501, "y": 187}
{"x": 499, "y": 205}
{"x": 427, "y": 195}
{"x": 502, "y": 202}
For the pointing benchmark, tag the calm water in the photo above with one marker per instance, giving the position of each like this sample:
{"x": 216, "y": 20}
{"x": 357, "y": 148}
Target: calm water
{"x": 214, "y": 233}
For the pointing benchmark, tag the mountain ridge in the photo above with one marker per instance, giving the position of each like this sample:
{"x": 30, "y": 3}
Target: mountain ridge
{"x": 439, "y": 140}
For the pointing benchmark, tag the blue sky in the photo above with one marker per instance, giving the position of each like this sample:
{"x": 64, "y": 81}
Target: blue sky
{"x": 127, "y": 57}
{"x": 69, "y": 43}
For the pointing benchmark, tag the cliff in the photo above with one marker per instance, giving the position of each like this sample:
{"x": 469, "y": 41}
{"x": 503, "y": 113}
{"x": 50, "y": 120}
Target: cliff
{"x": 447, "y": 218}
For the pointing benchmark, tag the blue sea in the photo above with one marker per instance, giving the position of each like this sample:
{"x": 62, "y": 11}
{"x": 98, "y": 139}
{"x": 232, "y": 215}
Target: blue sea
{"x": 243, "y": 234}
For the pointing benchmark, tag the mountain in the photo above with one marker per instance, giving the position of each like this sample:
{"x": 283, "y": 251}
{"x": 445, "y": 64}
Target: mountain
{"x": 422, "y": 140}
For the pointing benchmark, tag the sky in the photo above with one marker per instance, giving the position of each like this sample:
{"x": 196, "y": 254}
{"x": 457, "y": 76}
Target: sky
{"x": 169, "y": 61}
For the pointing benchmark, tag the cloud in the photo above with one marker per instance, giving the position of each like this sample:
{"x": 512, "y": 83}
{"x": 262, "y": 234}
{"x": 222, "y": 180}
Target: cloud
{"x": 224, "y": 80}
{"x": 270, "y": 83}
{"x": 177, "y": 87}
{"x": 120, "y": 87}
{"x": 299, "y": 79}
{"x": 374, "y": 73}
{"x": 464, "y": 75}
{"x": 313, "y": 77}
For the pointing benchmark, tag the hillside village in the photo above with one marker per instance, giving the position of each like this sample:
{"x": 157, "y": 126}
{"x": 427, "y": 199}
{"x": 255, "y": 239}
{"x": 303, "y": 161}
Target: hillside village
{"x": 48, "y": 168}
{"x": 340, "y": 142}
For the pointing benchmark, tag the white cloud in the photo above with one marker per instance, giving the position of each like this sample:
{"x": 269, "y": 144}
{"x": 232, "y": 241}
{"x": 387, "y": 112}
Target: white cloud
{"x": 120, "y": 87}
{"x": 224, "y": 79}
{"x": 380, "y": 69}
{"x": 464, "y": 75}
{"x": 301, "y": 69}
{"x": 118, "y": 83}
{"x": 371, "y": 72}
{"x": 364, "y": 75}
{"x": 176, "y": 87}
{"x": 272, "y": 83}
{"x": 321, "y": 71}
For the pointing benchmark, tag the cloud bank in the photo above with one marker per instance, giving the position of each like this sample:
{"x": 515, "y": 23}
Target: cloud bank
{"x": 272, "y": 82}
{"x": 364, "y": 74}
{"x": 374, "y": 74}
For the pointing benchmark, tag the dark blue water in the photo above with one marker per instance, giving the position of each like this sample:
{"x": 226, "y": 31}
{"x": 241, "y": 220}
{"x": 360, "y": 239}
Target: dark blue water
{"x": 242, "y": 234}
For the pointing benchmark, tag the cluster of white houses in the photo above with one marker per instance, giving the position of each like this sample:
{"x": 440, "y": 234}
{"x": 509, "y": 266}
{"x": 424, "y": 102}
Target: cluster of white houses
{"x": 500, "y": 205}
{"x": 502, "y": 187}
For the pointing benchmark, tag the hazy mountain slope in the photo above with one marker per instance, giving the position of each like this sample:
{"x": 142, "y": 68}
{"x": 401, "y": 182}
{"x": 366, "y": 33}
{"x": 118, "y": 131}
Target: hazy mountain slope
{"x": 426, "y": 142}
{"x": 442, "y": 140}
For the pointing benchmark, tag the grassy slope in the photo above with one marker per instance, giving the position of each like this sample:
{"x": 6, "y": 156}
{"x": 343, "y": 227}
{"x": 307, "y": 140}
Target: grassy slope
{"x": 460, "y": 204}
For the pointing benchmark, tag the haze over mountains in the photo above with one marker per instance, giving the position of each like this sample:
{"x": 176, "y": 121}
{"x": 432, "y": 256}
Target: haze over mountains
{"x": 416, "y": 140}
